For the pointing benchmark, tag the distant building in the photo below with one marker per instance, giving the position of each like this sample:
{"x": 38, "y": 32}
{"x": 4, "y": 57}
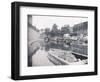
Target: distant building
{"x": 80, "y": 46}
{"x": 81, "y": 28}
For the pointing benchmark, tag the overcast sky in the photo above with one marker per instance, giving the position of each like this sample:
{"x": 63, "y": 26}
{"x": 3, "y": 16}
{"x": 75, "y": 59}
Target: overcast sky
{"x": 42, "y": 22}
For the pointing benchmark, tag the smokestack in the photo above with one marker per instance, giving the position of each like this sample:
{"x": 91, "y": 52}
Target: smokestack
{"x": 30, "y": 19}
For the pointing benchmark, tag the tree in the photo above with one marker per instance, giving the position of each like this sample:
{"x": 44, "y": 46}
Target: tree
{"x": 65, "y": 29}
{"x": 47, "y": 31}
{"x": 54, "y": 31}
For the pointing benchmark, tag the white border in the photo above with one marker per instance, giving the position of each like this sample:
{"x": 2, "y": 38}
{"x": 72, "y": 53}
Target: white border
{"x": 24, "y": 70}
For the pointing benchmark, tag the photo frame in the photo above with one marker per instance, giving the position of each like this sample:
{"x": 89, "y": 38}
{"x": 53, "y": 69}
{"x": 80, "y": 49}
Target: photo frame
{"x": 53, "y": 40}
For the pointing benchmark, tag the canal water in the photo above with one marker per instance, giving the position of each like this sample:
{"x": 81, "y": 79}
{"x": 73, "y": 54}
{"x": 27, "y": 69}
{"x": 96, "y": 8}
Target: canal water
{"x": 40, "y": 57}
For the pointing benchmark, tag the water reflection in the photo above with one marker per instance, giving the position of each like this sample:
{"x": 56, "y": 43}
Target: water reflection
{"x": 49, "y": 45}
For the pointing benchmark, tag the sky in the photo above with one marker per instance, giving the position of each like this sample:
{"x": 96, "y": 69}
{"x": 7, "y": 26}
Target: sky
{"x": 42, "y": 22}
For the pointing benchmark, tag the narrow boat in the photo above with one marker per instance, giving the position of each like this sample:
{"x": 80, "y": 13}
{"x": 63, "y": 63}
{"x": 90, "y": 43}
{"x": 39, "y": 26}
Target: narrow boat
{"x": 62, "y": 57}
